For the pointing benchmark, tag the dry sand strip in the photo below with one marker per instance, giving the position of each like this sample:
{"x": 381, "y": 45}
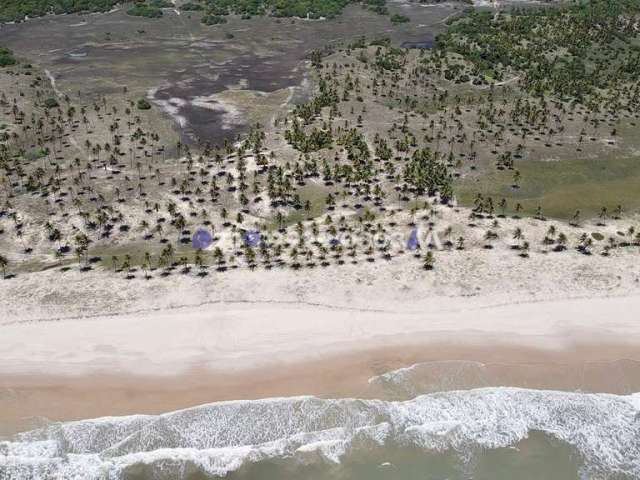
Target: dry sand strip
{"x": 236, "y": 337}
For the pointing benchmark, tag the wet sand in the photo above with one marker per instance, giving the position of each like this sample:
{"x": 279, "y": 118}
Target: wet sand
{"x": 28, "y": 401}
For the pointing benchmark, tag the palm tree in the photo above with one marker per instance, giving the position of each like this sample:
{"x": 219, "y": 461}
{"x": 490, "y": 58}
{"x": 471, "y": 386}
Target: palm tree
{"x": 562, "y": 242}
{"x": 126, "y": 265}
{"x": 294, "y": 257}
{"x": 516, "y": 179}
{"x": 518, "y": 210}
{"x": 576, "y": 219}
{"x": 490, "y": 236}
{"x": 429, "y": 261}
{"x": 218, "y": 255}
{"x": 146, "y": 264}
{"x": 603, "y": 215}
{"x": 198, "y": 259}
{"x": 618, "y": 212}
{"x": 82, "y": 245}
{"x": 517, "y": 234}
{"x": 4, "y": 262}
{"x": 503, "y": 206}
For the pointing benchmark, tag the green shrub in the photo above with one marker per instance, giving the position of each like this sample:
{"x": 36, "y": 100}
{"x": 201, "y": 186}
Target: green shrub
{"x": 191, "y": 7}
{"x": 51, "y": 103}
{"x": 397, "y": 18}
{"x": 6, "y": 57}
{"x": 142, "y": 10}
{"x": 143, "y": 104}
{"x": 213, "y": 19}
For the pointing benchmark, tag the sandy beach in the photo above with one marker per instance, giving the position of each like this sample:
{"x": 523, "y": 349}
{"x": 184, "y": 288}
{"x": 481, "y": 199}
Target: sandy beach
{"x": 171, "y": 343}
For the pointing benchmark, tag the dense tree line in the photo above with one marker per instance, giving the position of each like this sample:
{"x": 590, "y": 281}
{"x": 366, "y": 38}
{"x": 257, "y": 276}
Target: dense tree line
{"x": 289, "y": 8}
{"x": 571, "y": 51}
{"x": 216, "y": 10}
{"x": 17, "y": 10}
{"x": 279, "y": 8}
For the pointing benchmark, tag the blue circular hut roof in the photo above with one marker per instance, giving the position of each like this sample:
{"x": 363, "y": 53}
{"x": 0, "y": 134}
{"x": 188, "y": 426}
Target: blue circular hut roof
{"x": 251, "y": 238}
{"x": 201, "y": 239}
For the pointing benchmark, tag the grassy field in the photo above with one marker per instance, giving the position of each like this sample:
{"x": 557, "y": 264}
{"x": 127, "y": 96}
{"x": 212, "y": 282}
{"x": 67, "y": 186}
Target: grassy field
{"x": 562, "y": 187}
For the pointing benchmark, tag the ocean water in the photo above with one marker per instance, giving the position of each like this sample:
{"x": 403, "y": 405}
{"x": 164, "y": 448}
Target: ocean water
{"x": 488, "y": 433}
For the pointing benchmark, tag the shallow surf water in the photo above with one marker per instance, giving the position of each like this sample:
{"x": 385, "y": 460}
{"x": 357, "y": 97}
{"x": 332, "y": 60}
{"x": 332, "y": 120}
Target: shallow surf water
{"x": 486, "y": 433}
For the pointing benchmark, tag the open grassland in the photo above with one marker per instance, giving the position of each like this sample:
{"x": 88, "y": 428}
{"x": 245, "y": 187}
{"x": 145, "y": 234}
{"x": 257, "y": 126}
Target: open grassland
{"x": 562, "y": 187}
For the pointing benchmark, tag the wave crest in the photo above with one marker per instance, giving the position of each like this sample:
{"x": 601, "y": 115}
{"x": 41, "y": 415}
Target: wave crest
{"x": 219, "y": 438}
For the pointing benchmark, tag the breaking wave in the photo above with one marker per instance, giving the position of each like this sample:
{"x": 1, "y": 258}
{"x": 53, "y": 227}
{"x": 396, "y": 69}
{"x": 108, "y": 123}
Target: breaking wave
{"x": 219, "y": 438}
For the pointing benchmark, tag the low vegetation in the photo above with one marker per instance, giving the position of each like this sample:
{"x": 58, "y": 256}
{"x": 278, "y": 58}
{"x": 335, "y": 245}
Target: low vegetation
{"x": 6, "y": 57}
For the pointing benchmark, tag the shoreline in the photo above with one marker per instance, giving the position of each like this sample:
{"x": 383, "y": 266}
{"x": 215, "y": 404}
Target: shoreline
{"x": 31, "y": 401}
{"x": 161, "y": 361}
{"x": 85, "y": 345}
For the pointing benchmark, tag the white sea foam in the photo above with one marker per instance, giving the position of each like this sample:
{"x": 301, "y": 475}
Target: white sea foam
{"x": 221, "y": 437}
{"x": 430, "y": 377}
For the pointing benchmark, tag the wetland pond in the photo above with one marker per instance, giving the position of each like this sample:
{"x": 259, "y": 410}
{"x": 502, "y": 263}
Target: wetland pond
{"x": 183, "y": 66}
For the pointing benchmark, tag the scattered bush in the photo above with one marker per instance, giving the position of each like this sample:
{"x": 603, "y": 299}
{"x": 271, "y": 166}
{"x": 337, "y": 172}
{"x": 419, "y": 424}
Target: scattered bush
{"x": 213, "y": 20}
{"x": 142, "y": 10}
{"x": 6, "y": 57}
{"x": 191, "y": 7}
{"x": 397, "y": 18}
{"x": 143, "y": 104}
{"x": 51, "y": 103}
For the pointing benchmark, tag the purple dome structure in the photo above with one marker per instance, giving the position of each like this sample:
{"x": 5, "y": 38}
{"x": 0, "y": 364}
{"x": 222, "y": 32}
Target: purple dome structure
{"x": 413, "y": 243}
{"x": 251, "y": 238}
{"x": 201, "y": 239}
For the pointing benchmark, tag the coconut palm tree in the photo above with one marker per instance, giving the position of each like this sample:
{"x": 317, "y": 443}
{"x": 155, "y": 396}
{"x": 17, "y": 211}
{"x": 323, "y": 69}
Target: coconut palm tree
{"x": 198, "y": 259}
{"x": 575, "y": 221}
{"x": 517, "y": 234}
{"x": 603, "y": 215}
{"x": 146, "y": 264}
{"x": 561, "y": 242}
{"x": 4, "y": 263}
{"x": 429, "y": 261}
{"x": 126, "y": 264}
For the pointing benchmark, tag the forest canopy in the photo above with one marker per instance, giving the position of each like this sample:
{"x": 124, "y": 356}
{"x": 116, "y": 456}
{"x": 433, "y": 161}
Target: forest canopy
{"x": 288, "y": 8}
{"x": 573, "y": 51}
{"x": 17, "y": 10}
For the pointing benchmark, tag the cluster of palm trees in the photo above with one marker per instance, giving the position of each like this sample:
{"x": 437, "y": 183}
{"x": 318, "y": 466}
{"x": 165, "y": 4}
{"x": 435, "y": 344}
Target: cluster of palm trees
{"x": 383, "y": 139}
